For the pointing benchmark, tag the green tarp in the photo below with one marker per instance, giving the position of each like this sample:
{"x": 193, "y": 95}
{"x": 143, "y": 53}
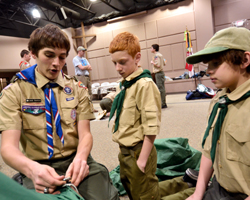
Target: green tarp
{"x": 174, "y": 156}
{"x": 11, "y": 190}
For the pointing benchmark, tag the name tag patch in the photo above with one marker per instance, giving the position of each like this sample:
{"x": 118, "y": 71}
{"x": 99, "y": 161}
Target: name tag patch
{"x": 33, "y": 100}
{"x": 33, "y": 109}
{"x": 70, "y": 99}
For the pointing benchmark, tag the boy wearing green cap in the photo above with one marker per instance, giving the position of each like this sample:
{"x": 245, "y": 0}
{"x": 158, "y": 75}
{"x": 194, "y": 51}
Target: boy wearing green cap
{"x": 138, "y": 116}
{"x": 226, "y": 142}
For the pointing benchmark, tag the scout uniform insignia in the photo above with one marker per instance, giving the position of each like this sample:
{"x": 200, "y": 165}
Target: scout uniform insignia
{"x": 70, "y": 99}
{"x": 33, "y": 109}
{"x": 80, "y": 84}
{"x": 67, "y": 90}
{"x": 73, "y": 114}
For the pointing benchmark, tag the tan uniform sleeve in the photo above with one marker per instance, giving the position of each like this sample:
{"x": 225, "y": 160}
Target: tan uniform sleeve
{"x": 10, "y": 109}
{"x": 149, "y": 103}
{"x": 85, "y": 109}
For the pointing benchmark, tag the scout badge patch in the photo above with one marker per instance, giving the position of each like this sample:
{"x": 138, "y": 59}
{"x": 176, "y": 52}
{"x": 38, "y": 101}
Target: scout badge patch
{"x": 33, "y": 109}
{"x": 67, "y": 90}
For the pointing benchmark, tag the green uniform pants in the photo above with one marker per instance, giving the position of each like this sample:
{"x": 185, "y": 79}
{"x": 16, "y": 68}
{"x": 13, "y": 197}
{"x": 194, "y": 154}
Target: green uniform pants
{"x": 138, "y": 185}
{"x": 175, "y": 189}
{"x": 106, "y": 104}
{"x": 96, "y": 186}
{"x": 216, "y": 192}
{"x": 160, "y": 82}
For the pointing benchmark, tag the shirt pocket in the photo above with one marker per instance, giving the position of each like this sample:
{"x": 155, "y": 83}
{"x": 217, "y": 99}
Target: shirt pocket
{"x": 69, "y": 111}
{"x": 33, "y": 116}
{"x": 238, "y": 144}
{"x": 128, "y": 114}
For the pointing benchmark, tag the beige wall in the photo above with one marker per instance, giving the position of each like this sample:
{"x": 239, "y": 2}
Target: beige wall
{"x": 10, "y": 48}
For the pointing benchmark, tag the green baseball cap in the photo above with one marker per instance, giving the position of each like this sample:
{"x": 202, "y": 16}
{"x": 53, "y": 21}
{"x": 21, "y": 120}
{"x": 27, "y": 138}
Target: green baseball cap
{"x": 228, "y": 38}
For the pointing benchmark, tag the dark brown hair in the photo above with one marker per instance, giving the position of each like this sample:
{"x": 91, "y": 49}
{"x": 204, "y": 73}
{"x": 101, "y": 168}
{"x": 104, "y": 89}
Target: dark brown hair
{"x": 232, "y": 57}
{"x": 49, "y": 36}
{"x": 23, "y": 52}
{"x": 155, "y": 47}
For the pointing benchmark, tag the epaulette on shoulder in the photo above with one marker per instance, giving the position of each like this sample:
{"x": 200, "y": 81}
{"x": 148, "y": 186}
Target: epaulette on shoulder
{"x": 14, "y": 79}
{"x": 148, "y": 79}
{"x": 70, "y": 77}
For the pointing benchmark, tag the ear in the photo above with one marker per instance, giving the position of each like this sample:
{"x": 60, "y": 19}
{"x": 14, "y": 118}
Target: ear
{"x": 137, "y": 57}
{"x": 33, "y": 55}
{"x": 246, "y": 60}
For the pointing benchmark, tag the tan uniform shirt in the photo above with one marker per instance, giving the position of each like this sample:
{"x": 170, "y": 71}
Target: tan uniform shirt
{"x": 20, "y": 97}
{"x": 141, "y": 112}
{"x": 24, "y": 65}
{"x": 232, "y": 161}
{"x": 158, "y": 60}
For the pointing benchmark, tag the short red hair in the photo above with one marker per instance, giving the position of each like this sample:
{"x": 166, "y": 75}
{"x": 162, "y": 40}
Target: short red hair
{"x": 125, "y": 41}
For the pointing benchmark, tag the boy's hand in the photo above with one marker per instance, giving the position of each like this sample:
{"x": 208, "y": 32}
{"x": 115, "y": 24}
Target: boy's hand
{"x": 141, "y": 165}
{"x": 44, "y": 176}
{"x": 77, "y": 170}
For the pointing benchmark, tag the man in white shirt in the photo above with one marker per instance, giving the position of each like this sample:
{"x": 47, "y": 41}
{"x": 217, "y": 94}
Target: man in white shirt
{"x": 82, "y": 68}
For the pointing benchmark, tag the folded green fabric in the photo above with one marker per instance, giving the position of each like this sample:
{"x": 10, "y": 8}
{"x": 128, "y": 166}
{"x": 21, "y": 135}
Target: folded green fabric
{"x": 10, "y": 190}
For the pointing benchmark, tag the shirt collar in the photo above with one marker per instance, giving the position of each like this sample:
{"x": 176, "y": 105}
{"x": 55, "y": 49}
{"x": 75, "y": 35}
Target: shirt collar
{"x": 238, "y": 92}
{"x": 134, "y": 74}
{"x": 41, "y": 80}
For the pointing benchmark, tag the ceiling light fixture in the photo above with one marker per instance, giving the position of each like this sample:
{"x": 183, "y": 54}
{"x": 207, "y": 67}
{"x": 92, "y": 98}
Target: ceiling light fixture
{"x": 92, "y": 0}
{"x": 36, "y": 13}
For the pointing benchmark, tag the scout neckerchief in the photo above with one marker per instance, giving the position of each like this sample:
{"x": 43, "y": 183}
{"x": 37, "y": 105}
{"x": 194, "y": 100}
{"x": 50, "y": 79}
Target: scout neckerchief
{"x": 50, "y": 103}
{"x": 118, "y": 101}
{"x": 223, "y": 102}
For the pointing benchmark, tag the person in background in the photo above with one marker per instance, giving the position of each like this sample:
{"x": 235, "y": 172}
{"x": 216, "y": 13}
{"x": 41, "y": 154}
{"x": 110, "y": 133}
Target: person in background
{"x": 25, "y": 55}
{"x": 158, "y": 62}
{"x": 225, "y": 144}
{"x": 106, "y": 104}
{"x": 49, "y": 114}
{"x": 138, "y": 117}
{"x": 82, "y": 68}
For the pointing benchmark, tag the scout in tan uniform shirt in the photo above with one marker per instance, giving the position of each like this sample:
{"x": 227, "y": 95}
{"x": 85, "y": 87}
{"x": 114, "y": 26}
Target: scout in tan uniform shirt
{"x": 158, "y": 63}
{"x": 50, "y": 114}
{"x": 226, "y": 140}
{"x": 25, "y": 55}
{"x": 138, "y": 116}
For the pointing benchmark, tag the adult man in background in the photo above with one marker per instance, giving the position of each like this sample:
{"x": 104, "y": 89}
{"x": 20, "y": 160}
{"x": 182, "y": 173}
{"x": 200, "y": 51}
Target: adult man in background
{"x": 25, "y": 55}
{"x": 82, "y": 68}
{"x": 158, "y": 63}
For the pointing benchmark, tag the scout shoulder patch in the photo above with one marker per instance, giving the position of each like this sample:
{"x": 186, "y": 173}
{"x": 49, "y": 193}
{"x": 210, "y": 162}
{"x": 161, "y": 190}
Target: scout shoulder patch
{"x": 81, "y": 85}
{"x": 1, "y": 95}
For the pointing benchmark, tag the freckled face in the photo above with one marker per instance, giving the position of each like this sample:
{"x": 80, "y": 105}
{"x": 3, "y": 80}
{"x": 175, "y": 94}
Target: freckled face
{"x": 124, "y": 63}
{"x": 50, "y": 62}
